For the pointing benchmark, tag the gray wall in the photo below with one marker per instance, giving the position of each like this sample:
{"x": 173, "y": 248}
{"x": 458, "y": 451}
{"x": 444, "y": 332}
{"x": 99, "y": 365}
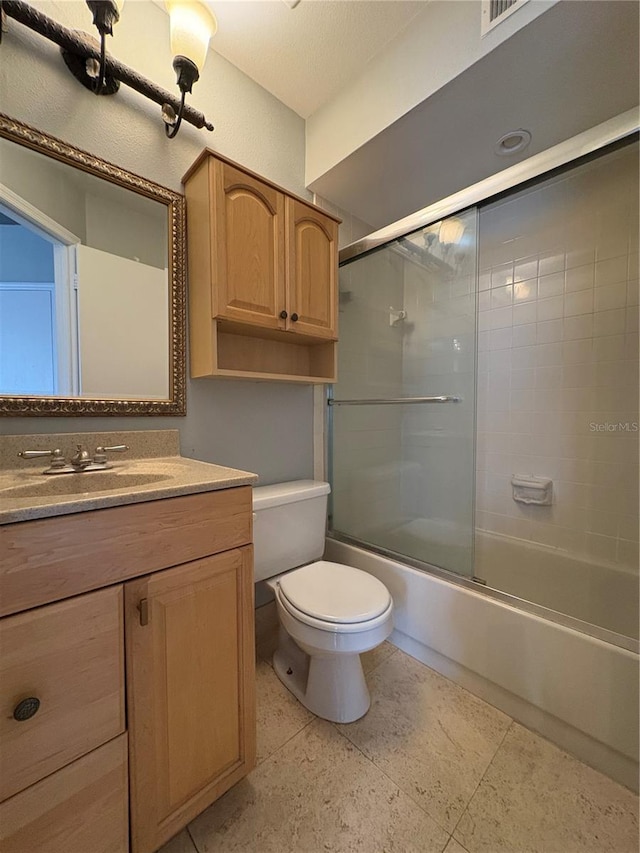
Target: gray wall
{"x": 263, "y": 427}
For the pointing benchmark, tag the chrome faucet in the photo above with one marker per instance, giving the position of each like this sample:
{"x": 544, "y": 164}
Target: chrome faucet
{"x": 81, "y": 460}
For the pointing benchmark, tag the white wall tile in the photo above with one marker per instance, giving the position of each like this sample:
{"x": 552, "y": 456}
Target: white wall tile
{"x": 580, "y": 302}
{"x": 550, "y": 309}
{"x": 609, "y": 323}
{"x": 575, "y": 328}
{"x": 525, "y": 291}
{"x": 502, "y": 296}
{"x": 611, "y": 271}
{"x": 551, "y": 285}
{"x": 523, "y": 379}
{"x": 559, "y": 367}
{"x": 501, "y": 318}
{"x": 500, "y": 339}
{"x": 549, "y": 331}
{"x": 502, "y": 275}
{"x": 551, "y": 262}
{"x": 613, "y": 296}
{"x": 524, "y": 336}
{"x": 579, "y": 278}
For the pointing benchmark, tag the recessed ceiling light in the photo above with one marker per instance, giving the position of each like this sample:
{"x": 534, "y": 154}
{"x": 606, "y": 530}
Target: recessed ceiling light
{"x": 512, "y": 142}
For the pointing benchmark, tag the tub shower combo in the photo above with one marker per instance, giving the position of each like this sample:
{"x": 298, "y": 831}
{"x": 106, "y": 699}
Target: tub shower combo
{"x": 483, "y": 438}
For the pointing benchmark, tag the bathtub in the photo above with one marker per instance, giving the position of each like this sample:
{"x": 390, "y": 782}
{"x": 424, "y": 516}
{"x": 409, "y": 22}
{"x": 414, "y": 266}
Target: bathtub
{"x": 576, "y": 690}
{"x": 597, "y": 592}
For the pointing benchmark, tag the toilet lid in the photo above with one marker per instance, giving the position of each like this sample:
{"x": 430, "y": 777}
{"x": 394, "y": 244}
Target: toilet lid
{"x": 335, "y": 593}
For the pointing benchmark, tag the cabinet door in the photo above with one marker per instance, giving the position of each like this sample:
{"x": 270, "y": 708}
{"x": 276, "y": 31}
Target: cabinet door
{"x": 248, "y": 246}
{"x": 312, "y": 257}
{"x": 191, "y": 690}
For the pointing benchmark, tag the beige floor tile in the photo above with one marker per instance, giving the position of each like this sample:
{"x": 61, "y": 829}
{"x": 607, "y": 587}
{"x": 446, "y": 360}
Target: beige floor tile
{"x": 371, "y": 660}
{"x": 537, "y": 799}
{"x": 431, "y": 737}
{"x": 454, "y": 847}
{"x": 279, "y": 715}
{"x": 180, "y": 843}
{"x": 266, "y": 631}
{"x": 316, "y": 794}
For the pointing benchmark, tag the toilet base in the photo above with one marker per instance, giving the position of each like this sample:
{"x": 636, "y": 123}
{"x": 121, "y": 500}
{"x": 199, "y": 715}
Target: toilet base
{"x": 331, "y": 686}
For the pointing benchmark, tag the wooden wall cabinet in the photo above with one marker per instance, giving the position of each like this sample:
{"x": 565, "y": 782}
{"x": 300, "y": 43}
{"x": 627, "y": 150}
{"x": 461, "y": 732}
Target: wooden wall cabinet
{"x": 171, "y": 583}
{"x": 263, "y": 288}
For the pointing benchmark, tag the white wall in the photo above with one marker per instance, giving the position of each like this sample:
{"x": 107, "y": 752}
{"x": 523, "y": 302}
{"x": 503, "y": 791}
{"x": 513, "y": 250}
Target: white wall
{"x": 252, "y": 127}
{"x": 124, "y": 351}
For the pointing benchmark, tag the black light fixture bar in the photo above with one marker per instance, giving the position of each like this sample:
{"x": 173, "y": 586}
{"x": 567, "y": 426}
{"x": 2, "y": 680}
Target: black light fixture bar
{"x": 73, "y": 42}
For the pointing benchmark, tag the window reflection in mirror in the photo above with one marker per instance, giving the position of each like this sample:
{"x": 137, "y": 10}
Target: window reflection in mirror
{"x": 84, "y": 285}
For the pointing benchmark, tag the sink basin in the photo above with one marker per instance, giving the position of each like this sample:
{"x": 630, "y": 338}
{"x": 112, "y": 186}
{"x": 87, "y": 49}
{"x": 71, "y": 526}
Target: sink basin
{"x": 87, "y": 483}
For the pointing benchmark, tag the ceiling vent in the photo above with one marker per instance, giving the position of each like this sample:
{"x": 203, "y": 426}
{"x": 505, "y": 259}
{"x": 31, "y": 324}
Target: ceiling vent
{"x": 494, "y": 12}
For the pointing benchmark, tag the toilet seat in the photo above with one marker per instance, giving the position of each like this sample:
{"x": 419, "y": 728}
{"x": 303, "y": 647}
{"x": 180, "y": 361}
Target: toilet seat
{"x": 334, "y": 597}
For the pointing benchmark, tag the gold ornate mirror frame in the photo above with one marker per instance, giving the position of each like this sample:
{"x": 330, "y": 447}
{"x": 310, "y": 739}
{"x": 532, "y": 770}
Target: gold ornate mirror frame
{"x": 175, "y": 404}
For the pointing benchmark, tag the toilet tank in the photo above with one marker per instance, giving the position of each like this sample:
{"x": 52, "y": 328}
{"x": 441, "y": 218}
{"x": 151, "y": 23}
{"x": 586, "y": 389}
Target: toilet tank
{"x": 289, "y": 525}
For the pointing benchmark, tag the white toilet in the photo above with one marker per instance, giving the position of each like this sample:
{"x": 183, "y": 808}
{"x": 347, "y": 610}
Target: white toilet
{"x": 329, "y": 613}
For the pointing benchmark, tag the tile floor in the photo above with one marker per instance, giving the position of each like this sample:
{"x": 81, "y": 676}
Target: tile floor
{"x": 430, "y": 768}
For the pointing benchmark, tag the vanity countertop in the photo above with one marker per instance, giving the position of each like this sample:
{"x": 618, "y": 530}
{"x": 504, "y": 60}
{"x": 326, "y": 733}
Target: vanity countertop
{"x": 26, "y": 493}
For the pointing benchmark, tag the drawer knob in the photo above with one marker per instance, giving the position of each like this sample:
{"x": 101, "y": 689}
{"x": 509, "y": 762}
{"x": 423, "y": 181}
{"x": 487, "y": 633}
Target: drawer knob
{"x": 26, "y": 709}
{"x": 283, "y": 315}
{"x": 294, "y": 318}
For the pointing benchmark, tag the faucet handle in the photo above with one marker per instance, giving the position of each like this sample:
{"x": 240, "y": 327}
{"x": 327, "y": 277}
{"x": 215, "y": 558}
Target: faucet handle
{"x": 100, "y": 456}
{"x": 57, "y": 457}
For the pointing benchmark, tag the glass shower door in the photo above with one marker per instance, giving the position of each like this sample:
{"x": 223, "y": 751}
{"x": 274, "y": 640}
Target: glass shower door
{"x": 403, "y": 411}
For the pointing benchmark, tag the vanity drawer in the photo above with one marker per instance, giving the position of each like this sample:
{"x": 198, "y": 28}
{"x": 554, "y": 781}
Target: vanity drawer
{"x": 52, "y": 558}
{"x": 70, "y": 657}
{"x": 82, "y": 808}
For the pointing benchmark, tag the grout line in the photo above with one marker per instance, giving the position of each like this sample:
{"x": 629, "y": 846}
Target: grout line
{"x": 388, "y": 657}
{"x": 393, "y": 781}
{"x": 486, "y": 770}
{"x": 282, "y": 745}
{"x": 195, "y": 846}
{"x": 464, "y": 689}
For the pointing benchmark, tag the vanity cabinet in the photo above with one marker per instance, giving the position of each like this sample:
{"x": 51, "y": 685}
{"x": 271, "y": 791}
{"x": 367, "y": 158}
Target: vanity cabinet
{"x": 263, "y": 268}
{"x": 146, "y": 607}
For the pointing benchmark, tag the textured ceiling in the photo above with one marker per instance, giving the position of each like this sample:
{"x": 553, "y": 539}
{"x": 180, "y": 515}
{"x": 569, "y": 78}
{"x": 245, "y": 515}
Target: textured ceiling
{"x": 305, "y": 55}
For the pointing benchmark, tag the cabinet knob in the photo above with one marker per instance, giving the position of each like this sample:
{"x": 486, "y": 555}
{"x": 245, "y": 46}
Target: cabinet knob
{"x": 26, "y": 709}
{"x": 294, "y": 317}
{"x": 283, "y": 315}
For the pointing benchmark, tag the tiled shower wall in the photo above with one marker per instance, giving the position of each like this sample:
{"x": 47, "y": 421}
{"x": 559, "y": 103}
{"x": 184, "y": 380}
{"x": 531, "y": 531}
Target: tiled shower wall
{"x": 558, "y": 360}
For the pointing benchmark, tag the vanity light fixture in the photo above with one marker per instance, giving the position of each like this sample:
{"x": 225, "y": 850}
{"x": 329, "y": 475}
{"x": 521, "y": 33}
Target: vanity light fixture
{"x": 192, "y": 25}
{"x": 106, "y": 13}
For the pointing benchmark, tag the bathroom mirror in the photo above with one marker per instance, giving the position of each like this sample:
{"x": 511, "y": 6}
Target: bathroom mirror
{"x": 92, "y": 283}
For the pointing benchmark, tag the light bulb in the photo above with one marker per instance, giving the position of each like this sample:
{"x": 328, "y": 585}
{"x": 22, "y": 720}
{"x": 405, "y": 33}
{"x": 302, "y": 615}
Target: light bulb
{"x": 451, "y": 231}
{"x": 192, "y": 26}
